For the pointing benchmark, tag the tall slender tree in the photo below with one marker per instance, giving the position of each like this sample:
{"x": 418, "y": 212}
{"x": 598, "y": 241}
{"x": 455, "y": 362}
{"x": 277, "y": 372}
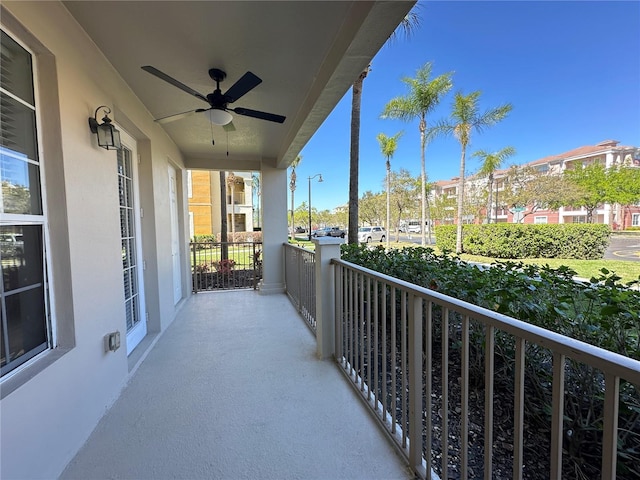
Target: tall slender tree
{"x": 424, "y": 95}
{"x": 388, "y": 146}
{"x": 407, "y": 26}
{"x": 466, "y": 118}
{"x": 224, "y": 237}
{"x": 492, "y": 161}
{"x": 292, "y": 187}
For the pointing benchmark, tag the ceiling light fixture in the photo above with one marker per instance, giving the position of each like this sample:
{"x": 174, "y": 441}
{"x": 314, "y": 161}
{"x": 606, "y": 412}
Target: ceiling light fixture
{"x": 218, "y": 117}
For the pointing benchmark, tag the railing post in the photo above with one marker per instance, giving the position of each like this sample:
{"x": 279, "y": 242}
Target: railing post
{"x": 327, "y": 248}
{"x": 415, "y": 384}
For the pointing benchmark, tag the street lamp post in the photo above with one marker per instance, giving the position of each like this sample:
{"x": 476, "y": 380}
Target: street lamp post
{"x": 319, "y": 180}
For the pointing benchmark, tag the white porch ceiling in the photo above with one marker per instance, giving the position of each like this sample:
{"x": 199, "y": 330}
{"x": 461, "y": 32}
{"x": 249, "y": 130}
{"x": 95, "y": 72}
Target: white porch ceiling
{"x": 306, "y": 53}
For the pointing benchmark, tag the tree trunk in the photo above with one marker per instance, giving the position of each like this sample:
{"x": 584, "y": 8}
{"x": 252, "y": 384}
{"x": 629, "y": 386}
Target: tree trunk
{"x": 460, "y": 202}
{"x": 389, "y": 202}
{"x": 224, "y": 238}
{"x": 293, "y": 189}
{"x": 490, "y": 200}
{"x": 423, "y": 185}
{"x": 354, "y": 158}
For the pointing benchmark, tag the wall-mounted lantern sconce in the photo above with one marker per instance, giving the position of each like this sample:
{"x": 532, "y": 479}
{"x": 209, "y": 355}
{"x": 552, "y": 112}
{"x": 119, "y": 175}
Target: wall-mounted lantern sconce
{"x": 108, "y": 135}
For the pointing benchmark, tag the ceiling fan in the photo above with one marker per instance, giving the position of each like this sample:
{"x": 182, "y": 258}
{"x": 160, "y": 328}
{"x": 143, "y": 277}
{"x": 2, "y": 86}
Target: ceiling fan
{"x": 218, "y": 111}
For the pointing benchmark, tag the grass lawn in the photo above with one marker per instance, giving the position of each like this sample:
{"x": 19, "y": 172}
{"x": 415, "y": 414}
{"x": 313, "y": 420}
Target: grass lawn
{"x": 584, "y": 268}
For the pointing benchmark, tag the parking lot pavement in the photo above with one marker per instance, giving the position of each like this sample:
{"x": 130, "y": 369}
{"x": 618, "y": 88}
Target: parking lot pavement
{"x": 623, "y": 248}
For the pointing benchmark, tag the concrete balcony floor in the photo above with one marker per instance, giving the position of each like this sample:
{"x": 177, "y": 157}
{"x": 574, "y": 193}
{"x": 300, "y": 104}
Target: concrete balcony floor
{"x": 232, "y": 390}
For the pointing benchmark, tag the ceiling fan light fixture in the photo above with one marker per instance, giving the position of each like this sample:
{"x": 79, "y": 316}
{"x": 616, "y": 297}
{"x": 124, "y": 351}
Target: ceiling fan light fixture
{"x": 218, "y": 117}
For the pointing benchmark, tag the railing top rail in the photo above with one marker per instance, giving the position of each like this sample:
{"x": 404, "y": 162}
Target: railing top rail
{"x": 605, "y": 360}
{"x": 225, "y": 243}
{"x": 296, "y": 247}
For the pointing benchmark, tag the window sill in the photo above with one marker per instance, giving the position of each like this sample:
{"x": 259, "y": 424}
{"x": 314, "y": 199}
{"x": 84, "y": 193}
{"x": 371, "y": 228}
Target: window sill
{"x": 14, "y": 381}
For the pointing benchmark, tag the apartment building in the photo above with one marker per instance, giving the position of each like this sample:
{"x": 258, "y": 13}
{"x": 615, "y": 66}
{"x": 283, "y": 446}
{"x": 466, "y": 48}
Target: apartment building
{"x": 203, "y": 192}
{"x": 608, "y": 153}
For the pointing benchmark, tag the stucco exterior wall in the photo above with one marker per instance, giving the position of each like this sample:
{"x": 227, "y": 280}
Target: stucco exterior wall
{"x": 50, "y": 408}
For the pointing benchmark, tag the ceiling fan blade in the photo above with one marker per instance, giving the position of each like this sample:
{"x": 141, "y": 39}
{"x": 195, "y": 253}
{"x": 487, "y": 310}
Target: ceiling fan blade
{"x": 229, "y": 127}
{"x": 246, "y": 83}
{"x": 272, "y": 117}
{"x": 177, "y": 116}
{"x": 163, "y": 76}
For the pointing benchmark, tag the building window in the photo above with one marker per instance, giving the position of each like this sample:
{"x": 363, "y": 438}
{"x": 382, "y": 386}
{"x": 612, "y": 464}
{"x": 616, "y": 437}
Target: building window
{"x": 579, "y": 219}
{"x": 635, "y": 220}
{"x": 540, "y": 220}
{"x": 24, "y": 319}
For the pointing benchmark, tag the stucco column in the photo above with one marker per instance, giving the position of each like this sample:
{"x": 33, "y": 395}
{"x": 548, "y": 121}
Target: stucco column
{"x": 274, "y": 229}
{"x": 326, "y": 249}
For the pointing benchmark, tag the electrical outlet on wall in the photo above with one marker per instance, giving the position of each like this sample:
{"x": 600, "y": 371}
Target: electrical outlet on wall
{"x": 112, "y": 341}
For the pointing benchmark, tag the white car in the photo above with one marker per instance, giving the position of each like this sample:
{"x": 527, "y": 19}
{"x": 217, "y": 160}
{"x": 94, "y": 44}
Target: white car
{"x": 371, "y": 234}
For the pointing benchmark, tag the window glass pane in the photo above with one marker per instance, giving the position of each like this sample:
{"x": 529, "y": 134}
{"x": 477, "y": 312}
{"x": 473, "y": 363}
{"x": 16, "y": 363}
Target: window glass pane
{"x": 18, "y": 127}
{"x": 25, "y": 321}
{"x": 15, "y": 65}
{"x": 3, "y": 356}
{"x": 21, "y": 254}
{"x": 20, "y": 185}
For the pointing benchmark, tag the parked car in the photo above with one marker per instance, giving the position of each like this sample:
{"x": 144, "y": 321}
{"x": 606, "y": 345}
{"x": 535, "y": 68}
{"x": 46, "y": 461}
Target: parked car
{"x": 371, "y": 234}
{"x": 329, "y": 232}
{"x": 301, "y": 230}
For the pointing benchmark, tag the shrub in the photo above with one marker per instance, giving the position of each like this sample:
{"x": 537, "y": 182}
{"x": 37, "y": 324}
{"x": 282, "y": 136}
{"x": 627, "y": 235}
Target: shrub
{"x": 513, "y": 240}
{"x": 255, "y": 237}
{"x": 204, "y": 238}
{"x": 224, "y": 266}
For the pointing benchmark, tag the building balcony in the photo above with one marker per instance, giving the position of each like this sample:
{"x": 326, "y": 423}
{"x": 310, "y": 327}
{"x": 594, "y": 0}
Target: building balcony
{"x": 346, "y": 376}
{"x": 233, "y": 389}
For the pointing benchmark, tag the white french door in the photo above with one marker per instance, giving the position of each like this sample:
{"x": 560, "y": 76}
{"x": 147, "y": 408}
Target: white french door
{"x": 132, "y": 275}
{"x": 175, "y": 243}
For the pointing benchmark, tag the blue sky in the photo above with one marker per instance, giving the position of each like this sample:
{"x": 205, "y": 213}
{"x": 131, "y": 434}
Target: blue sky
{"x": 571, "y": 70}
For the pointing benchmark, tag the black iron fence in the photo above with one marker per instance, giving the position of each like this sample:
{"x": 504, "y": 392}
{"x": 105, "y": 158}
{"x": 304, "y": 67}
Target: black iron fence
{"x": 225, "y": 265}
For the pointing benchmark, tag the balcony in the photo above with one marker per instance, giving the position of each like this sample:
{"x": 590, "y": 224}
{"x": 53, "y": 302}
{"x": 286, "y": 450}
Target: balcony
{"x": 233, "y": 390}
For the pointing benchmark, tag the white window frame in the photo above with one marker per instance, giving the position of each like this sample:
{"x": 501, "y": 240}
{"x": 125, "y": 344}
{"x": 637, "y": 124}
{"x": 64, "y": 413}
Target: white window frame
{"x": 540, "y": 220}
{"x": 635, "y": 219}
{"x": 30, "y": 219}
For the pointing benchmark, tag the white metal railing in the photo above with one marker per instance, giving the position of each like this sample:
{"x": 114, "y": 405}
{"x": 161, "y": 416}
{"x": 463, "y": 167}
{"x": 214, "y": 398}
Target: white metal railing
{"x": 300, "y": 281}
{"x": 405, "y": 348}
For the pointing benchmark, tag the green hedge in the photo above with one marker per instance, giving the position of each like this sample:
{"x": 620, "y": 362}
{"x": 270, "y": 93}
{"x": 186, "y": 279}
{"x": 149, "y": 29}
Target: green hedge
{"x": 513, "y": 240}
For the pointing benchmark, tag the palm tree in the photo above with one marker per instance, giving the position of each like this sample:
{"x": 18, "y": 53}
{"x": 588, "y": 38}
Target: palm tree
{"x": 388, "y": 146}
{"x": 491, "y": 161}
{"x": 424, "y": 95}
{"x": 407, "y": 26}
{"x": 292, "y": 187}
{"x": 465, "y": 119}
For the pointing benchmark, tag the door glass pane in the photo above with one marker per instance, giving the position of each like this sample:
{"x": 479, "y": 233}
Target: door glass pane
{"x": 128, "y": 238}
